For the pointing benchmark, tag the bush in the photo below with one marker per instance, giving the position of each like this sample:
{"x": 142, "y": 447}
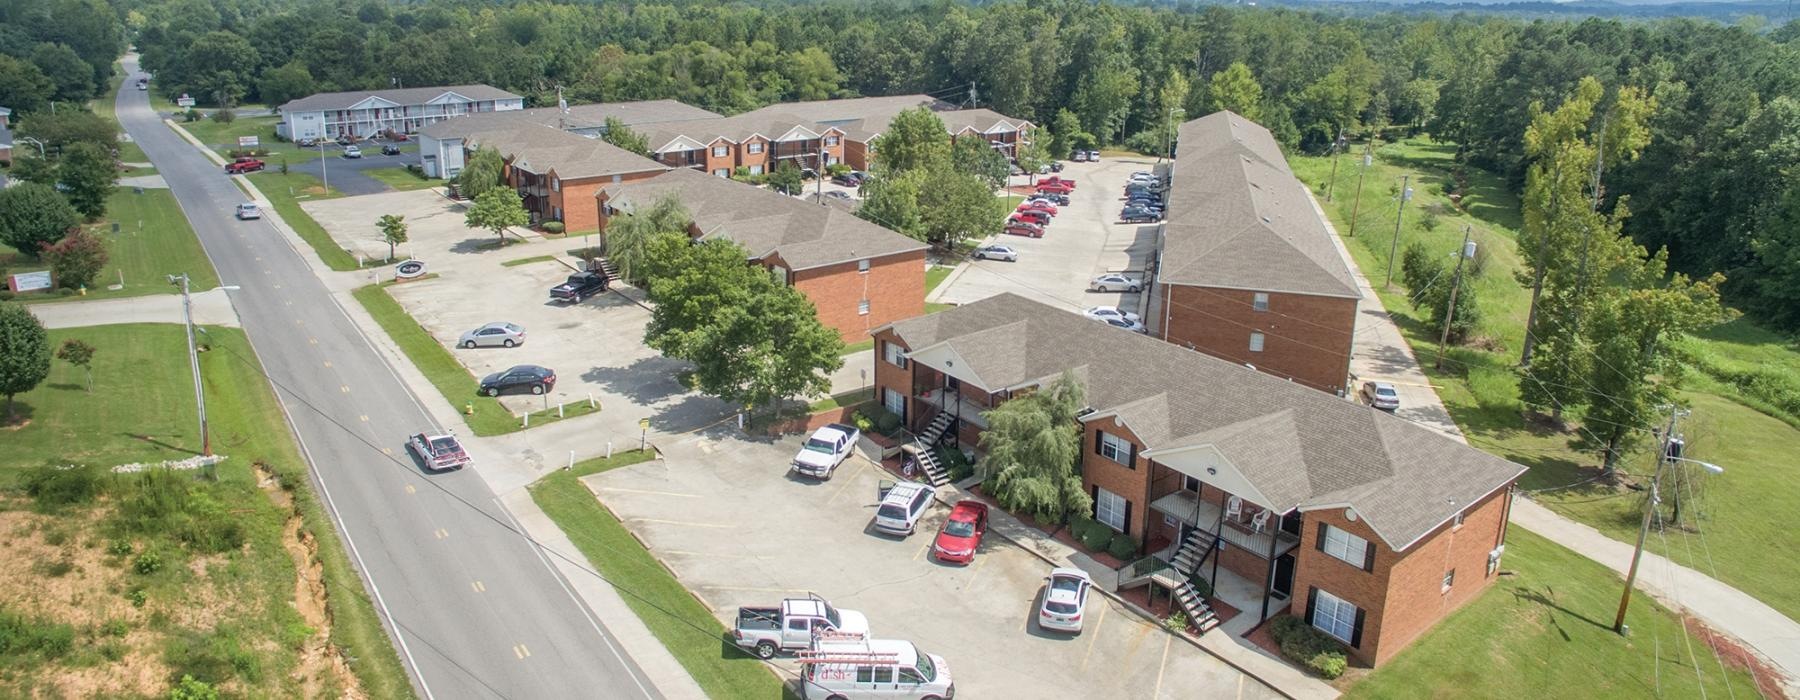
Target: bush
{"x": 21, "y": 636}
{"x": 887, "y": 422}
{"x": 836, "y": 169}
{"x": 1123, "y": 546}
{"x": 552, "y": 227}
{"x": 1176, "y": 622}
{"x": 862, "y": 422}
{"x": 1308, "y": 646}
{"x": 77, "y": 259}
{"x": 1097, "y": 537}
{"x": 192, "y": 115}
{"x": 118, "y": 548}
{"x": 52, "y": 485}
{"x": 224, "y": 116}
{"x": 147, "y": 563}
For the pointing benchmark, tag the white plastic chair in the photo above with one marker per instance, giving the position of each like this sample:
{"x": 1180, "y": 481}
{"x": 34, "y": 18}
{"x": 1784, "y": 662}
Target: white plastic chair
{"x": 1259, "y": 521}
{"x": 1234, "y": 507}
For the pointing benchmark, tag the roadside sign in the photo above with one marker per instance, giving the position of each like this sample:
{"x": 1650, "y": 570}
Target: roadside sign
{"x": 249, "y": 142}
{"x": 643, "y": 423}
{"x": 184, "y": 101}
{"x": 32, "y": 281}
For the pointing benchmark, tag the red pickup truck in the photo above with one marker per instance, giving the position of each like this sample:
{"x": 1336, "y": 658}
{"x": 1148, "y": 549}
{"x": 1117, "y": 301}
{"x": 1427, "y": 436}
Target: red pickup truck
{"x": 243, "y": 165}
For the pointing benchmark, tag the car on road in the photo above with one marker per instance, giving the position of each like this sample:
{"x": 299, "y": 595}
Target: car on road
{"x": 530, "y": 378}
{"x": 1065, "y": 597}
{"x": 1030, "y": 216}
{"x": 1139, "y": 215}
{"x": 1104, "y": 313}
{"x": 1114, "y": 282}
{"x": 579, "y": 286}
{"x": 438, "y": 452}
{"x": 997, "y": 252}
{"x": 849, "y": 179}
{"x": 1023, "y": 229}
{"x": 902, "y": 507}
{"x": 1127, "y": 324}
{"x": 244, "y": 165}
{"x": 1038, "y": 205}
{"x": 247, "y": 211}
{"x": 1381, "y": 395}
{"x": 498, "y": 333}
{"x": 352, "y": 152}
{"x": 961, "y": 534}
{"x": 390, "y": 150}
{"x": 792, "y": 625}
{"x": 827, "y": 448}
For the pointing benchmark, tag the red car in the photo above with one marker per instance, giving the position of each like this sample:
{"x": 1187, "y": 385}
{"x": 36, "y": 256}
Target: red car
{"x": 1038, "y": 205}
{"x": 1058, "y": 181}
{"x": 1030, "y": 216}
{"x": 1055, "y": 187}
{"x": 243, "y": 165}
{"x": 1020, "y": 228}
{"x": 962, "y": 532}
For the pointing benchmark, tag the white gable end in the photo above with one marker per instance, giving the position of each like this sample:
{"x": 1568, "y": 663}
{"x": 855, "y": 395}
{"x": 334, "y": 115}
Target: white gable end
{"x": 1206, "y": 463}
{"x": 944, "y": 358}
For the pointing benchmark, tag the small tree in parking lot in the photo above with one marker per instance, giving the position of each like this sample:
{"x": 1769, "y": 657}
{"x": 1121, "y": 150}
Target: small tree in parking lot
{"x": 497, "y": 210}
{"x": 393, "y": 230}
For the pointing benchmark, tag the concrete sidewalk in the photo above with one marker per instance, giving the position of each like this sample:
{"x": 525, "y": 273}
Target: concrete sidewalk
{"x": 211, "y": 308}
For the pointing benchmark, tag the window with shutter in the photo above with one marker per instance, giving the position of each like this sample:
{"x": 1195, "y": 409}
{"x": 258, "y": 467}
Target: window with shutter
{"x": 1346, "y": 547}
{"x": 1335, "y": 616}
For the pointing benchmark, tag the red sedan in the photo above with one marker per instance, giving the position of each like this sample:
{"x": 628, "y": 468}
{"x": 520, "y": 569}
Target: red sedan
{"x": 962, "y": 532}
{"x": 1055, "y": 187}
{"x": 1031, "y": 216}
{"x": 1020, "y": 228}
{"x": 1038, "y": 205}
{"x": 1057, "y": 180}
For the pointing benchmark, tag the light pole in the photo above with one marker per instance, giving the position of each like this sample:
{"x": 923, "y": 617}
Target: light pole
{"x": 1670, "y": 451}
{"x": 187, "y": 315}
{"x": 1169, "y": 135}
{"x": 40, "y": 145}
{"x": 324, "y": 174}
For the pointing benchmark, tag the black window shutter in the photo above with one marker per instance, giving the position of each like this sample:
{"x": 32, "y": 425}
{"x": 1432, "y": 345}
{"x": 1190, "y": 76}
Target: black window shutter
{"x": 1319, "y": 544}
{"x": 1128, "y": 517}
{"x": 1312, "y": 600}
{"x": 1098, "y": 434}
{"x": 1131, "y": 457}
{"x": 1368, "y": 556}
{"x": 1356, "y": 631}
{"x": 1096, "y": 507}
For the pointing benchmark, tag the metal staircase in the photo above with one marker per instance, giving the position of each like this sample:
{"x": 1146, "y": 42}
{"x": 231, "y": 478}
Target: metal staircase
{"x": 934, "y": 432}
{"x": 1199, "y": 614}
{"x": 1193, "y": 552}
{"x": 925, "y": 447}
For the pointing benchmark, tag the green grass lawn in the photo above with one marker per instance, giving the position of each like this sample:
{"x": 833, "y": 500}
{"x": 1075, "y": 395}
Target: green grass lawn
{"x": 1739, "y": 509}
{"x": 485, "y": 416}
{"x": 528, "y": 261}
{"x": 935, "y": 275}
{"x": 154, "y": 241}
{"x": 1548, "y": 630}
{"x": 679, "y": 621}
{"x": 223, "y": 137}
{"x": 285, "y": 192}
{"x": 142, "y": 409}
{"x": 129, "y": 152}
{"x": 403, "y": 179}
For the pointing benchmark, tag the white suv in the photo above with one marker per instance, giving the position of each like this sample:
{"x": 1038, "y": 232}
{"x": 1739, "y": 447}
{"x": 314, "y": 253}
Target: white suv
{"x": 902, "y": 507}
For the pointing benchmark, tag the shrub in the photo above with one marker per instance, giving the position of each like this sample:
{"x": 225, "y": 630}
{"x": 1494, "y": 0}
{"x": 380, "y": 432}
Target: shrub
{"x": 118, "y": 548}
{"x": 862, "y": 422}
{"x": 138, "y": 597}
{"x": 52, "y": 486}
{"x": 147, "y": 563}
{"x": 1308, "y": 646}
{"x": 836, "y": 169}
{"x": 553, "y": 227}
{"x": 1123, "y": 546}
{"x": 1176, "y": 622}
{"x": 1097, "y": 537}
{"x": 76, "y": 259}
{"x": 20, "y": 636}
{"x": 192, "y": 115}
{"x": 887, "y": 422}
{"x": 224, "y": 116}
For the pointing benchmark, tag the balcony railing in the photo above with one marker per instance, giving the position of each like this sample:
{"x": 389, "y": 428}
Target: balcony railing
{"x": 1204, "y": 514}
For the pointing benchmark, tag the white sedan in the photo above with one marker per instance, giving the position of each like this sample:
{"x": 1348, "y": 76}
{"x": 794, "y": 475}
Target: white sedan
{"x": 1127, "y": 324}
{"x": 1110, "y": 313}
{"x": 1065, "y": 597}
{"x": 997, "y": 252}
{"x": 1115, "y": 283}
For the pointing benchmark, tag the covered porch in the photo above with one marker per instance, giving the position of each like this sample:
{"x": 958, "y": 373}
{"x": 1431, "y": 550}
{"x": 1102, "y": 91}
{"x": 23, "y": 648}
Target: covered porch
{"x": 1242, "y": 547}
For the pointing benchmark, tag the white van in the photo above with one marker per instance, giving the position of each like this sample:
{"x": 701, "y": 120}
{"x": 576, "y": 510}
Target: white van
{"x": 852, "y": 668}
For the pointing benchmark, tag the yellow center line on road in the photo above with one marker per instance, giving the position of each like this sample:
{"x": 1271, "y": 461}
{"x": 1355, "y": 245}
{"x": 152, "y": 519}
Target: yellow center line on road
{"x": 1093, "y": 635}
{"x": 679, "y": 522}
{"x": 1163, "y": 668}
{"x": 847, "y": 483}
{"x": 615, "y": 489}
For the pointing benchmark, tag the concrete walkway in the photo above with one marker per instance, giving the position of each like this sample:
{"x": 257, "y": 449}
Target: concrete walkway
{"x": 1381, "y": 352}
{"x": 211, "y": 308}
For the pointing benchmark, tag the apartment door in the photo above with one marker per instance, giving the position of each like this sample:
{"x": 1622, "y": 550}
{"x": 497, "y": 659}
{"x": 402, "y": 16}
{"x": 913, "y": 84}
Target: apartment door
{"x": 1284, "y": 577}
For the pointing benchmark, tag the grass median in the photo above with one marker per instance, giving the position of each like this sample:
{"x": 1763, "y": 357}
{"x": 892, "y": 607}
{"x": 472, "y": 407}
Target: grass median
{"x": 285, "y": 192}
{"x": 484, "y": 415}
{"x": 690, "y": 632}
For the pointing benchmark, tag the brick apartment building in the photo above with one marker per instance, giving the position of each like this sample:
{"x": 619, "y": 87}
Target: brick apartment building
{"x": 756, "y": 141}
{"x": 555, "y": 171}
{"x": 1284, "y": 498}
{"x": 443, "y": 156}
{"x": 1246, "y": 270}
{"x": 365, "y": 113}
{"x": 862, "y": 119}
{"x": 857, "y": 274}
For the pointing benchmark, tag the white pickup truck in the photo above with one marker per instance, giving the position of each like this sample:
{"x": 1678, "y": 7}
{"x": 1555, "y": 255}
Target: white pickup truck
{"x": 793, "y": 625}
{"x": 826, "y": 449}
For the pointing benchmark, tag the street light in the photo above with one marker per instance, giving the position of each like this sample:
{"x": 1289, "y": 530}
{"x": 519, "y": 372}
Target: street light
{"x": 187, "y": 313}
{"x": 1169, "y": 134}
{"x": 324, "y": 175}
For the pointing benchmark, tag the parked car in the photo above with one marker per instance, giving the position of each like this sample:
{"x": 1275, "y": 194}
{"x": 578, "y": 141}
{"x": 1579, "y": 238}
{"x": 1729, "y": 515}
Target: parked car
{"x": 1133, "y": 326}
{"x": 1065, "y": 597}
{"x": 961, "y": 534}
{"x": 1030, "y": 216}
{"x": 438, "y": 452}
{"x": 792, "y": 625}
{"x": 902, "y": 507}
{"x": 1054, "y": 188}
{"x": 390, "y": 150}
{"x": 1058, "y": 181}
{"x": 532, "y": 378}
{"x": 1016, "y": 170}
{"x": 1038, "y": 205}
{"x": 828, "y": 447}
{"x": 352, "y": 152}
{"x": 1056, "y": 166}
{"x": 307, "y": 142}
{"x": 840, "y": 195}
{"x": 1093, "y": 156}
{"x": 1060, "y": 199}
{"x": 1142, "y": 190}
{"x": 997, "y": 252}
{"x": 498, "y": 333}
{"x": 1078, "y": 156}
{"x": 1381, "y": 395}
{"x": 1021, "y": 228}
{"x": 346, "y": 140}
{"x": 1113, "y": 281}
{"x": 1103, "y": 313}
{"x": 849, "y": 179}
{"x": 579, "y": 286}
{"x": 244, "y": 165}
{"x": 248, "y": 210}
{"x": 1139, "y": 215}
{"x": 853, "y": 666}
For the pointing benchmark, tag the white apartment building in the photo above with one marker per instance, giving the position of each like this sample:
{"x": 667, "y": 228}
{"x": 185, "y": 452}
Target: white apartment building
{"x": 365, "y": 113}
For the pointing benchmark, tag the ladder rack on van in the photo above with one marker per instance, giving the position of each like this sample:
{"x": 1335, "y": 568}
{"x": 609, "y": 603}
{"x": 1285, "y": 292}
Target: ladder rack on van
{"x": 847, "y": 657}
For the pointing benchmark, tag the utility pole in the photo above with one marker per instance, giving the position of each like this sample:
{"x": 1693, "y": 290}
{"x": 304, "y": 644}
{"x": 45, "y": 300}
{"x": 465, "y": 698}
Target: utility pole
{"x": 1336, "y": 149}
{"x": 1399, "y": 214}
{"x": 187, "y": 315}
{"x": 1467, "y": 251}
{"x": 820, "y": 189}
{"x": 324, "y": 173}
{"x": 1663, "y": 457}
{"x": 1367, "y": 160}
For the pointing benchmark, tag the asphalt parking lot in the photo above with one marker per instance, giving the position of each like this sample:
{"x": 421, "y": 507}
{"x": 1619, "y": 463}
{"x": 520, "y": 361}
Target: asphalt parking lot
{"x": 737, "y": 530}
{"x": 1083, "y": 241}
{"x": 596, "y": 347}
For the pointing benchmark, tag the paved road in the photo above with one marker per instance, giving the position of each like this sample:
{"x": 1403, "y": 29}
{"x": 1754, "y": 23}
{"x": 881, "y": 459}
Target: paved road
{"x": 475, "y": 608}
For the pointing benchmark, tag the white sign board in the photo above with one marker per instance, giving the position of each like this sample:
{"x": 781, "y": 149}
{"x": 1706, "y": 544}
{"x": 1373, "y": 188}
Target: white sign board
{"x": 184, "y": 101}
{"x": 248, "y": 142}
{"x": 30, "y": 281}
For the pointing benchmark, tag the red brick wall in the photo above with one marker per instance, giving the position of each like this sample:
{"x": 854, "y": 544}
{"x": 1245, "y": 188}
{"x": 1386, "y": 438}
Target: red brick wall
{"x": 581, "y": 209}
{"x": 746, "y": 159}
{"x": 1416, "y": 599}
{"x": 890, "y": 376}
{"x": 1366, "y": 590}
{"x": 1305, "y": 338}
{"x": 856, "y": 154}
{"x": 727, "y": 161}
{"x": 894, "y": 286}
{"x": 1132, "y": 484}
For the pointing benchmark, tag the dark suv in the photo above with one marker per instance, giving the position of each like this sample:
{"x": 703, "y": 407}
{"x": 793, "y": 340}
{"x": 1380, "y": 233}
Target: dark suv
{"x": 531, "y": 378}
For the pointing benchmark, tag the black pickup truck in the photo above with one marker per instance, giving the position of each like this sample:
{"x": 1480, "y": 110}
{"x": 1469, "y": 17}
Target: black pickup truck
{"x": 579, "y": 286}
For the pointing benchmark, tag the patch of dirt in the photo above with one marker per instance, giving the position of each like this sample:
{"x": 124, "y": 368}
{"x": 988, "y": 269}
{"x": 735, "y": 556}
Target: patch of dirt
{"x": 15, "y": 425}
{"x": 1735, "y": 656}
{"x": 322, "y": 668}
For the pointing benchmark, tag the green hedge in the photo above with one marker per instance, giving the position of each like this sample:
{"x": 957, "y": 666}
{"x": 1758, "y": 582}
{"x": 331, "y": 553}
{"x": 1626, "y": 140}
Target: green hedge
{"x": 552, "y": 227}
{"x": 1308, "y": 646}
{"x": 1097, "y": 536}
{"x": 1123, "y": 546}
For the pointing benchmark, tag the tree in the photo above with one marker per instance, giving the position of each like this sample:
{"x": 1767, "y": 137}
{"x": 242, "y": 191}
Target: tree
{"x": 915, "y": 140}
{"x": 393, "y": 230}
{"x": 1065, "y": 130}
{"x": 496, "y": 210}
{"x": 628, "y": 237}
{"x": 955, "y": 207}
{"x": 88, "y": 174}
{"x": 218, "y": 66}
{"x": 1235, "y": 89}
{"x": 76, "y": 259}
{"x": 480, "y": 174}
{"x": 32, "y": 215}
{"x": 618, "y": 134}
{"x": 1036, "y": 153}
{"x": 24, "y": 87}
{"x": 1033, "y": 445}
{"x": 286, "y": 83}
{"x": 24, "y": 353}
{"x": 893, "y": 201}
{"x": 70, "y": 126}
{"x": 77, "y": 352}
{"x": 973, "y": 156}
{"x": 787, "y": 179}
{"x": 73, "y": 77}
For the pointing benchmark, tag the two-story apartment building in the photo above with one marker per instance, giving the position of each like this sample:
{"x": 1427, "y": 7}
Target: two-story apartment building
{"x": 1367, "y": 526}
{"x": 863, "y": 119}
{"x": 441, "y": 149}
{"x": 757, "y": 141}
{"x": 365, "y": 113}
{"x": 857, "y": 274}
{"x": 1246, "y": 269}
{"x": 556, "y": 172}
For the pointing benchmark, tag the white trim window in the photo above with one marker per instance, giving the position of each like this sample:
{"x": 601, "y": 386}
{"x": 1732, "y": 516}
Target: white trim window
{"x": 862, "y": 265}
{"x": 555, "y": 184}
{"x": 1334, "y": 616}
{"x": 831, "y": 140}
{"x": 756, "y": 170}
{"x": 1115, "y": 448}
{"x": 894, "y": 402}
{"x": 754, "y": 148}
{"x": 894, "y": 354}
{"x": 1260, "y": 301}
{"x": 1256, "y": 342}
{"x": 1351, "y": 549}
{"x": 723, "y": 172}
{"x": 1109, "y": 509}
{"x": 862, "y": 308}
{"x": 721, "y": 151}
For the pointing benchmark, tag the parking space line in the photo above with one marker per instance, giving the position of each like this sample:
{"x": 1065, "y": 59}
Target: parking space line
{"x": 975, "y": 571}
{"x": 847, "y": 482}
{"x": 679, "y": 522}
{"x": 1163, "y": 667}
{"x": 921, "y": 551}
{"x": 1240, "y": 692}
{"x": 1093, "y": 636}
{"x": 411, "y": 489}
{"x": 442, "y": 533}
{"x": 615, "y": 489}
{"x": 520, "y": 651}
{"x": 752, "y": 589}
{"x": 389, "y": 451}
{"x": 478, "y": 586}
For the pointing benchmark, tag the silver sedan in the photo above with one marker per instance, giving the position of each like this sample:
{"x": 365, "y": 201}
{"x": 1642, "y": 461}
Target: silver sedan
{"x": 997, "y": 252}
{"x": 494, "y": 334}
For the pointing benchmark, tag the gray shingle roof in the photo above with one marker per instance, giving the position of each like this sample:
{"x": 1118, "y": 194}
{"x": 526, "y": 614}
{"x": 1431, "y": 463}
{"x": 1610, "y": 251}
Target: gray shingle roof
{"x": 402, "y": 96}
{"x": 1238, "y": 218}
{"x": 542, "y": 149}
{"x": 862, "y": 118}
{"x": 770, "y": 125}
{"x": 805, "y": 235}
{"x": 1300, "y": 447}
